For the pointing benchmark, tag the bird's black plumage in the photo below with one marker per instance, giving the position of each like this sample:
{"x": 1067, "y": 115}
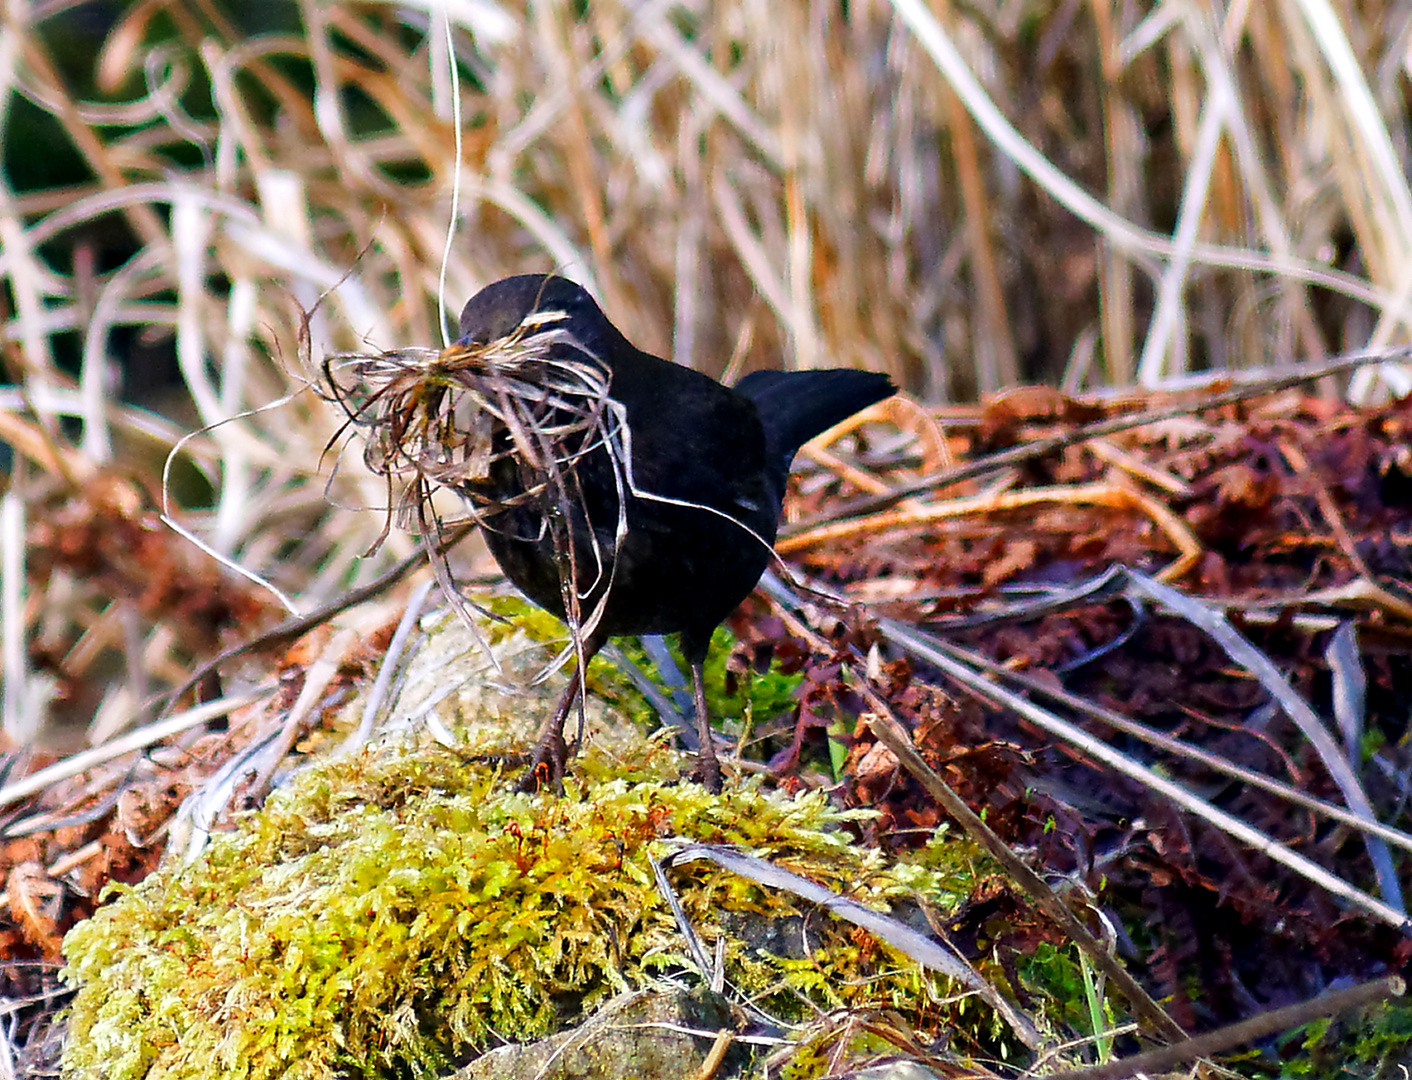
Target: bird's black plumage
{"x": 702, "y": 497}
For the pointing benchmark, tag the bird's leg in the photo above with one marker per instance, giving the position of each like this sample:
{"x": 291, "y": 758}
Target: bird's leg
{"x": 706, "y": 762}
{"x": 551, "y": 754}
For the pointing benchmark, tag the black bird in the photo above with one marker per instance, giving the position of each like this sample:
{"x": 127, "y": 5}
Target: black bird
{"x": 702, "y": 497}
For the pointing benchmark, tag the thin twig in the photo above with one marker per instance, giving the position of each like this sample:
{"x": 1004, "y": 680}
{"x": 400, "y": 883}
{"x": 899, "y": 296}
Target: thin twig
{"x": 1167, "y": 1058}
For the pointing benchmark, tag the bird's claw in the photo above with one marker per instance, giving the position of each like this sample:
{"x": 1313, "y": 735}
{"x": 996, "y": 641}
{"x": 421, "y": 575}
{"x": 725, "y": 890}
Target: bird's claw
{"x": 546, "y": 771}
{"x": 708, "y": 772}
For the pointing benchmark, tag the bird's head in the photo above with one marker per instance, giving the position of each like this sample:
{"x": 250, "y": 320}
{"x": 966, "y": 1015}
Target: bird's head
{"x": 531, "y": 303}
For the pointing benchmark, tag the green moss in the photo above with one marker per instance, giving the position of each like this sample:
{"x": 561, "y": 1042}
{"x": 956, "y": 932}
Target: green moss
{"x": 518, "y": 614}
{"x": 393, "y": 910}
{"x": 837, "y": 1044}
{"x": 1057, "y": 972}
{"x": 755, "y": 695}
{"x": 744, "y": 698}
{"x": 604, "y": 679}
{"x": 1374, "y": 1042}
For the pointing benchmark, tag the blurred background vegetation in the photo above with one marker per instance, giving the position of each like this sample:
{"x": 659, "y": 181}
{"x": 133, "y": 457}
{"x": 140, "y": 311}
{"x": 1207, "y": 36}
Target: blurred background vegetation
{"x": 202, "y": 200}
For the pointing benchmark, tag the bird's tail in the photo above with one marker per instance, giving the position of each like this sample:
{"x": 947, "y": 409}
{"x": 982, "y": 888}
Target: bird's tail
{"x": 795, "y": 406}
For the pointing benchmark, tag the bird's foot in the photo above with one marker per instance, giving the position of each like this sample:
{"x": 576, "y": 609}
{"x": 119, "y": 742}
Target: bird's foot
{"x": 547, "y": 764}
{"x": 708, "y": 769}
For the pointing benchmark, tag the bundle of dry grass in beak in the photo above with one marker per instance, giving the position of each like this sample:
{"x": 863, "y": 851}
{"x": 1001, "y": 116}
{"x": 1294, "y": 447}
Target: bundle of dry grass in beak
{"x": 445, "y": 418}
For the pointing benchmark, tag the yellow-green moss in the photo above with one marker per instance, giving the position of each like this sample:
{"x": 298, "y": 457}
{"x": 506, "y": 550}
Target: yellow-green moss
{"x": 756, "y": 695}
{"x": 400, "y": 908}
{"x": 396, "y": 908}
{"x": 604, "y": 679}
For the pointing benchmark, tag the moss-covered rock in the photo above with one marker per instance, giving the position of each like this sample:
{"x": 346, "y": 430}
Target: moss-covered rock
{"x": 396, "y": 910}
{"x": 405, "y": 905}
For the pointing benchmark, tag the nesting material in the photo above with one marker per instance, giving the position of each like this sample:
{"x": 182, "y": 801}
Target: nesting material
{"x": 501, "y": 424}
{"x": 536, "y": 396}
